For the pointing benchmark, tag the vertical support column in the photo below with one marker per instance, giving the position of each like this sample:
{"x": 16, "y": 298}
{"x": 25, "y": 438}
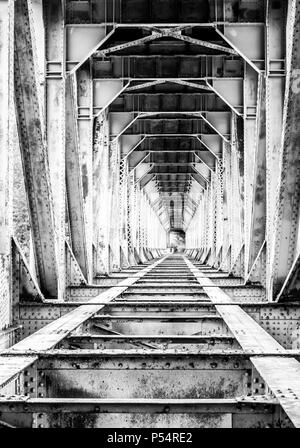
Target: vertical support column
{"x": 278, "y": 33}
{"x": 227, "y": 199}
{"x": 250, "y": 106}
{"x": 238, "y": 150}
{"x": 74, "y": 179}
{"x": 130, "y": 185}
{"x": 258, "y": 214}
{"x": 34, "y": 153}
{"x": 206, "y": 222}
{"x": 139, "y": 245}
{"x": 114, "y": 237}
{"x": 214, "y": 214}
{"x": 6, "y": 159}
{"x": 219, "y": 204}
{"x": 144, "y": 220}
{"x": 55, "y": 121}
{"x": 101, "y": 190}
{"x": 287, "y": 235}
{"x": 237, "y": 193}
{"x": 85, "y": 141}
{"x": 123, "y": 205}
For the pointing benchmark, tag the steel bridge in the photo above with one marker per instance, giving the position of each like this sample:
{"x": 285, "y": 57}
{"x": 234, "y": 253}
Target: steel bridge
{"x": 124, "y": 124}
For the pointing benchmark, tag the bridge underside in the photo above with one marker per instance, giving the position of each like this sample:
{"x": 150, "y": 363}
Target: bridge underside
{"x": 149, "y": 213}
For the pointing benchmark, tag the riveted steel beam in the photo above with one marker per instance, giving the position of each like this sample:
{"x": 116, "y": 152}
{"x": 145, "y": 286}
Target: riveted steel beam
{"x": 282, "y": 378}
{"x": 7, "y": 129}
{"x": 34, "y": 153}
{"x": 258, "y": 216}
{"x": 166, "y": 32}
{"x": 133, "y": 43}
{"x": 55, "y": 120}
{"x": 74, "y": 179}
{"x": 287, "y": 206}
{"x": 219, "y": 413}
{"x": 278, "y": 29}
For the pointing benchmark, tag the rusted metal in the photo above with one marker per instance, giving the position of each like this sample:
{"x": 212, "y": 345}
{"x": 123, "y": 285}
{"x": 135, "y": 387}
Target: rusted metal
{"x": 34, "y": 153}
{"x": 251, "y": 336}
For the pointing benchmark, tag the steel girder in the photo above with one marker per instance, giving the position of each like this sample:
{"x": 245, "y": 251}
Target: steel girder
{"x": 34, "y": 152}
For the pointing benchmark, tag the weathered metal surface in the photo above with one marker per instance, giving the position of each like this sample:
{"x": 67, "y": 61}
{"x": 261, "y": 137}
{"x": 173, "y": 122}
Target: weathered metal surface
{"x": 90, "y": 413}
{"x": 54, "y": 332}
{"x": 287, "y": 204}
{"x": 214, "y": 342}
{"x": 6, "y": 160}
{"x": 85, "y": 142}
{"x": 74, "y": 186}
{"x": 258, "y": 221}
{"x": 205, "y": 324}
{"x": 28, "y": 288}
{"x": 139, "y": 377}
{"x": 55, "y": 122}
{"x": 170, "y": 119}
{"x": 136, "y": 383}
{"x": 248, "y": 333}
{"x": 34, "y": 152}
{"x": 282, "y": 376}
{"x": 251, "y": 336}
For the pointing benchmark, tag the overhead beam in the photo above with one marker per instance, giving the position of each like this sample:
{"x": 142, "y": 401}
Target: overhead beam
{"x": 166, "y": 32}
{"x": 205, "y": 44}
{"x": 130, "y": 44}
